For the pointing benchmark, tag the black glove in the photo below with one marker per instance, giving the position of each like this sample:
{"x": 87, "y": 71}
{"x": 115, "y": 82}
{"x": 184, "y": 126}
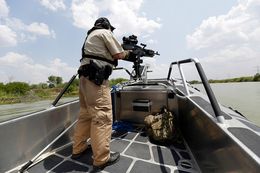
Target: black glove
{"x": 130, "y": 56}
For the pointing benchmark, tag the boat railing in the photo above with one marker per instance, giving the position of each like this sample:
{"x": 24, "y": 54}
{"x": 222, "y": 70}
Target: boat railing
{"x": 209, "y": 92}
{"x": 64, "y": 90}
{"x": 127, "y": 71}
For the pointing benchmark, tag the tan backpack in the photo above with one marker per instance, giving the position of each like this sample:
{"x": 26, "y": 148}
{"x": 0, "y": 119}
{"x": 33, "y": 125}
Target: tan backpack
{"x": 161, "y": 126}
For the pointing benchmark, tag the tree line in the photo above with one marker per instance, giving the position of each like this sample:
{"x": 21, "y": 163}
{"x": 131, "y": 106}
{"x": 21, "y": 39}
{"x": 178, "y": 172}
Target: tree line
{"x": 15, "y": 92}
{"x": 255, "y": 78}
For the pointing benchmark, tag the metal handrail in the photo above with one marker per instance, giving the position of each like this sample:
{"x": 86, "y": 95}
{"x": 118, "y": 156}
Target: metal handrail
{"x": 210, "y": 94}
{"x": 64, "y": 90}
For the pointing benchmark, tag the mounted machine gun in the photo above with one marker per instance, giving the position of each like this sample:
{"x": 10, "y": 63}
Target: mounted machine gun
{"x": 130, "y": 43}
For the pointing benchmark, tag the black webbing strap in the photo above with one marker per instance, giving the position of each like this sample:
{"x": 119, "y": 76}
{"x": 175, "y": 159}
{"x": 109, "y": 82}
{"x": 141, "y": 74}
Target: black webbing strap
{"x": 100, "y": 58}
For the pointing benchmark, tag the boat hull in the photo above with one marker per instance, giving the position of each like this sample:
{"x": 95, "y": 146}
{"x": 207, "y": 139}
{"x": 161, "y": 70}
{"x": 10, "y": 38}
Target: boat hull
{"x": 23, "y": 138}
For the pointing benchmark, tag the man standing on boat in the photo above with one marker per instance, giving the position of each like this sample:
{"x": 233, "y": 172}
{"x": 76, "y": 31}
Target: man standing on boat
{"x": 100, "y": 53}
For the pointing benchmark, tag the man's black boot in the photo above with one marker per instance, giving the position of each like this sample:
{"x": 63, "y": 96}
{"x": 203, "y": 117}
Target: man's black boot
{"x": 79, "y": 155}
{"x": 114, "y": 157}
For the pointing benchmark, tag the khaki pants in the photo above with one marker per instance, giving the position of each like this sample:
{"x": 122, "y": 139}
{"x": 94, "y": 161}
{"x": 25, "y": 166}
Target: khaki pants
{"x": 95, "y": 120}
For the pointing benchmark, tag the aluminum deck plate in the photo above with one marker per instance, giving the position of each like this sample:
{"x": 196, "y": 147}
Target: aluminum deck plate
{"x": 138, "y": 155}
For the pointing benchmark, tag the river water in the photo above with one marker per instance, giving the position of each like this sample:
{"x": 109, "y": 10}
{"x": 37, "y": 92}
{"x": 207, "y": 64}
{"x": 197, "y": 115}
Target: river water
{"x": 10, "y": 111}
{"x": 243, "y": 96}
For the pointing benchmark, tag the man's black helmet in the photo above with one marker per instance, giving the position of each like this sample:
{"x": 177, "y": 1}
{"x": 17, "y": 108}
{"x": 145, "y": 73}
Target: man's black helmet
{"x": 104, "y": 23}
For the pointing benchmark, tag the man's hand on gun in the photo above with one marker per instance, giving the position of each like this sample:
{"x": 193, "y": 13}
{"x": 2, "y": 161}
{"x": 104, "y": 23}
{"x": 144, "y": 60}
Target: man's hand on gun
{"x": 130, "y": 56}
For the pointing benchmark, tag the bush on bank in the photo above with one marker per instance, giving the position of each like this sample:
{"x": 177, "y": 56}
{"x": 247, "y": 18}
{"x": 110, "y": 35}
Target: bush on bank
{"x": 16, "y": 92}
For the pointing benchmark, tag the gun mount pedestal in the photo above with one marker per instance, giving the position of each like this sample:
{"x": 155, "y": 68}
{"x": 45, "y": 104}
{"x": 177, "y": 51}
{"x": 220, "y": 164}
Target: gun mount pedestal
{"x": 137, "y": 68}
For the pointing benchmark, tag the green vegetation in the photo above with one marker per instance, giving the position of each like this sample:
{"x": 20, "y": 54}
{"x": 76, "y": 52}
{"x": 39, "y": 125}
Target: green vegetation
{"x": 54, "y": 81}
{"x": 255, "y": 78}
{"x": 13, "y": 90}
{"x": 116, "y": 81}
{"x": 17, "y": 88}
{"x": 17, "y": 92}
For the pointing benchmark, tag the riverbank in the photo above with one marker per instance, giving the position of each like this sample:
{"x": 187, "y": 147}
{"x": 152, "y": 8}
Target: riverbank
{"x": 20, "y": 92}
{"x": 255, "y": 78}
{"x": 35, "y": 95}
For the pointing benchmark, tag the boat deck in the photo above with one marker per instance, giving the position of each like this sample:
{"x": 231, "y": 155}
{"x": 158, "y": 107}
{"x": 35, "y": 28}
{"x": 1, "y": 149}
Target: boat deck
{"x": 138, "y": 155}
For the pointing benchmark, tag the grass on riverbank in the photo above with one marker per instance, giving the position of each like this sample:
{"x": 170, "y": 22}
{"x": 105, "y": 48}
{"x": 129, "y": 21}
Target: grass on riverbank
{"x": 34, "y": 95}
{"x": 20, "y": 92}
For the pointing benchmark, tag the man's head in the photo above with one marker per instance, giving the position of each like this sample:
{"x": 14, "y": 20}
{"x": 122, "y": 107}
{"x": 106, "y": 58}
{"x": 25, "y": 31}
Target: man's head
{"x": 104, "y": 23}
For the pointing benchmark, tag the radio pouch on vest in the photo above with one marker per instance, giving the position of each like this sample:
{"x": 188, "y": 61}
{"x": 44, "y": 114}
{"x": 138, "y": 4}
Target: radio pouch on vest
{"x": 95, "y": 73}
